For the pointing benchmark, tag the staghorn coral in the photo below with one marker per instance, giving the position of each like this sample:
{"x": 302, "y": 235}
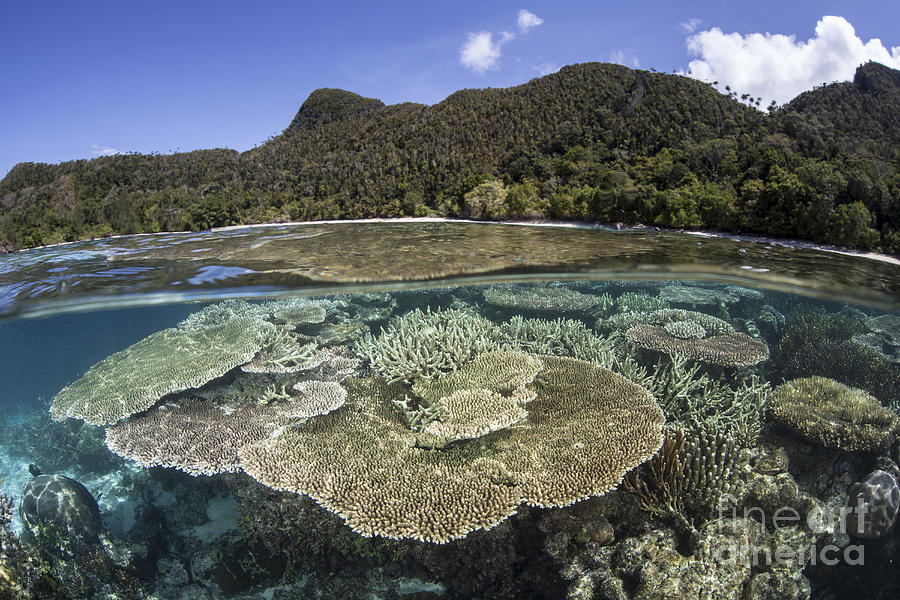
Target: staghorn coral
{"x": 171, "y": 360}
{"x": 199, "y": 437}
{"x": 639, "y": 302}
{"x": 729, "y": 350}
{"x": 424, "y": 344}
{"x": 711, "y": 462}
{"x": 834, "y": 415}
{"x": 687, "y": 478}
{"x": 693, "y": 400}
{"x": 560, "y": 337}
{"x": 585, "y": 429}
{"x": 540, "y": 298}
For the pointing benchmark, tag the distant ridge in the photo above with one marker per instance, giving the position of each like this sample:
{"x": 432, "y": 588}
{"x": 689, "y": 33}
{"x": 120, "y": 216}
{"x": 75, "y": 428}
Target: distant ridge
{"x": 591, "y": 142}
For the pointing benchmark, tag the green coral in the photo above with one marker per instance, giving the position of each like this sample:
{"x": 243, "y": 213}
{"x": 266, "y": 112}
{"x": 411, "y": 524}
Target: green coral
{"x": 171, "y": 360}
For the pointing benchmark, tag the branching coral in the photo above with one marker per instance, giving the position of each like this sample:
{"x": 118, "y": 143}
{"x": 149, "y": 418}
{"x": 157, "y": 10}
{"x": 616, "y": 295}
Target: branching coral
{"x": 425, "y": 344}
{"x": 283, "y": 353}
{"x": 690, "y": 398}
{"x": 560, "y": 337}
{"x": 686, "y": 479}
{"x": 639, "y": 302}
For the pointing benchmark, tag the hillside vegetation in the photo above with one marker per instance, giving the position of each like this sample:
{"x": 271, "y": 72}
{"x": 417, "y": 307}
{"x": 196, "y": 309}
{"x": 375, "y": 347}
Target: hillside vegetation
{"x": 595, "y": 142}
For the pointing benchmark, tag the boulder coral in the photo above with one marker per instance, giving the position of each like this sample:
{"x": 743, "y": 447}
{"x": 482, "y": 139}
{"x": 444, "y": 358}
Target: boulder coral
{"x": 874, "y": 503}
{"x": 833, "y": 414}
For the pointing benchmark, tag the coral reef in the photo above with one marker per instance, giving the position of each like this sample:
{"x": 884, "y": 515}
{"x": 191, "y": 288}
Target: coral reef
{"x": 846, "y": 361}
{"x": 873, "y": 505}
{"x": 883, "y": 336}
{"x": 172, "y": 360}
{"x": 694, "y": 295}
{"x": 485, "y": 395}
{"x": 686, "y": 480}
{"x": 729, "y": 350}
{"x": 640, "y": 302}
{"x": 200, "y": 437}
{"x": 662, "y": 317}
{"x": 585, "y": 429}
{"x": 833, "y": 415}
{"x": 424, "y": 344}
{"x": 560, "y": 337}
{"x": 543, "y": 298}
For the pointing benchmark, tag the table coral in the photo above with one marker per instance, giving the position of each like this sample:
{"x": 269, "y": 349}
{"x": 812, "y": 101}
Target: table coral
{"x": 585, "y": 429}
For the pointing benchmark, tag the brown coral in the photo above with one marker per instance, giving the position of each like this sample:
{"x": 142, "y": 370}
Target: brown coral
{"x": 585, "y": 429}
{"x": 730, "y": 349}
{"x": 200, "y": 437}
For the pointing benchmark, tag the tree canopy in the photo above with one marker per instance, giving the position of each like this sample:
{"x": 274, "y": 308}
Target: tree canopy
{"x": 594, "y": 141}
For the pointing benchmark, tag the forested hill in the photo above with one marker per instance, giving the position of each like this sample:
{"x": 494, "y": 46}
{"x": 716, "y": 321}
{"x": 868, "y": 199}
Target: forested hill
{"x": 591, "y": 142}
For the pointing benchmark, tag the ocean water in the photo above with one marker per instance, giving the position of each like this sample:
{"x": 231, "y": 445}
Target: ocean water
{"x": 448, "y": 410}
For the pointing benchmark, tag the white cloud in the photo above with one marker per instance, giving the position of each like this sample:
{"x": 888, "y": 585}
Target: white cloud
{"x": 690, "y": 25}
{"x": 778, "y": 67}
{"x": 527, "y": 20}
{"x": 98, "y": 150}
{"x": 481, "y": 52}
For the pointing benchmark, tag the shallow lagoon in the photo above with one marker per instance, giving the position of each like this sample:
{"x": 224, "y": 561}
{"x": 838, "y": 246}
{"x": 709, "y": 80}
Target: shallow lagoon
{"x": 331, "y": 395}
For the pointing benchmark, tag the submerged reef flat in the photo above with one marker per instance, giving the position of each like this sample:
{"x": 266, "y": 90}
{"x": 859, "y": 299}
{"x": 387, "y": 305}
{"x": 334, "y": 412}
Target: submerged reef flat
{"x": 572, "y": 440}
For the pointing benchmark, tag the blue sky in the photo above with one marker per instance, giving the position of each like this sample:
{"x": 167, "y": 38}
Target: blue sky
{"x": 81, "y": 79}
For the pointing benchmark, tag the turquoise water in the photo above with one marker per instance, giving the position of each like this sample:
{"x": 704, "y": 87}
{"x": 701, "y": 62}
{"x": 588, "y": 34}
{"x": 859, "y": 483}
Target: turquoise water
{"x": 449, "y": 410}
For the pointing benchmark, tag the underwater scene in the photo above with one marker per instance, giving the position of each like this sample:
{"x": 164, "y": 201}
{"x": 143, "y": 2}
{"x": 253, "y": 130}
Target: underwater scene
{"x": 447, "y": 411}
